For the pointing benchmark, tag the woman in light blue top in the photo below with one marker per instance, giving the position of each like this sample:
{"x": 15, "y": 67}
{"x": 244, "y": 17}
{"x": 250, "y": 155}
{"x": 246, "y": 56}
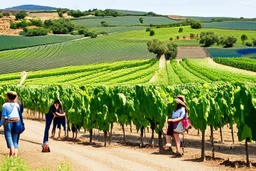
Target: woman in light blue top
{"x": 177, "y": 126}
{"x": 10, "y": 115}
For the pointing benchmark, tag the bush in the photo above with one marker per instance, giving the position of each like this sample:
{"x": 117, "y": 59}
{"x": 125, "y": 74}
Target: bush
{"x": 35, "y": 32}
{"x": 192, "y": 35}
{"x": 1, "y": 15}
{"x": 254, "y": 42}
{"x": 248, "y": 44}
{"x": 228, "y": 41}
{"x": 94, "y": 35}
{"x": 178, "y": 37}
{"x": 244, "y": 38}
{"x": 7, "y": 14}
{"x": 170, "y": 38}
{"x": 151, "y": 33}
{"x": 148, "y": 29}
{"x": 180, "y": 30}
{"x": 38, "y": 23}
{"x": 184, "y": 37}
{"x": 104, "y": 24}
{"x": 20, "y": 15}
{"x": 13, "y": 25}
{"x": 61, "y": 26}
{"x": 171, "y": 52}
{"x": 195, "y": 25}
{"x": 48, "y": 23}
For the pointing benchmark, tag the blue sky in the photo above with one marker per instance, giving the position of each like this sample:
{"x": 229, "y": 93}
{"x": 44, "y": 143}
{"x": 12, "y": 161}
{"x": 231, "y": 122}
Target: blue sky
{"x": 230, "y": 8}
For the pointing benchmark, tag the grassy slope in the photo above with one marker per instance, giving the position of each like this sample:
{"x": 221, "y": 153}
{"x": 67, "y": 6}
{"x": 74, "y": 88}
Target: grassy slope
{"x": 165, "y": 33}
{"x": 16, "y": 42}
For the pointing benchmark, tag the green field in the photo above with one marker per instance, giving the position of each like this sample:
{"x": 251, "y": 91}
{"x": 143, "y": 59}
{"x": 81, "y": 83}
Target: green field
{"x": 245, "y": 25}
{"x": 16, "y": 42}
{"x": 242, "y": 63}
{"x": 87, "y": 51}
{"x": 129, "y": 45}
{"x": 125, "y": 72}
{"x": 90, "y": 22}
{"x": 133, "y": 72}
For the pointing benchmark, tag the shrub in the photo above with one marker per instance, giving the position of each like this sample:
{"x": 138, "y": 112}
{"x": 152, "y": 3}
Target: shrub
{"x": 13, "y": 25}
{"x": 94, "y": 35}
{"x": 147, "y": 29}
{"x": 254, "y": 42}
{"x": 151, "y": 33}
{"x": 180, "y": 30}
{"x": 195, "y": 25}
{"x": 20, "y": 15}
{"x": 104, "y": 24}
{"x": 192, "y": 35}
{"x": 38, "y": 23}
{"x": 178, "y": 37}
{"x": 141, "y": 20}
{"x": 7, "y": 14}
{"x": 171, "y": 52}
{"x": 184, "y": 37}
{"x": 228, "y": 41}
{"x": 170, "y": 38}
{"x": 1, "y": 15}
{"x": 35, "y": 31}
{"x": 244, "y": 38}
{"x": 248, "y": 44}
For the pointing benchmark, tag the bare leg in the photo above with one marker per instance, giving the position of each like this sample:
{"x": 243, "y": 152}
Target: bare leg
{"x": 12, "y": 152}
{"x": 53, "y": 134}
{"x": 59, "y": 133}
{"x": 177, "y": 141}
{"x": 168, "y": 142}
{"x": 16, "y": 152}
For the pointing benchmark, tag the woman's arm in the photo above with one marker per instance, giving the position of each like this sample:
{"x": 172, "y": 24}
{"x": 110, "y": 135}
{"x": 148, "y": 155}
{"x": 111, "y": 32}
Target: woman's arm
{"x": 2, "y": 121}
{"x": 56, "y": 114}
{"x": 175, "y": 120}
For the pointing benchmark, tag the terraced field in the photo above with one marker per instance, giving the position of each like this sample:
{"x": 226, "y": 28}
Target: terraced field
{"x": 16, "y": 42}
{"x": 135, "y": 72}
{"x": 125, "y": 72}
{"x": 122, "y": 21}
{"x": 245, "y": 25}
{"x": 87, "y": 51}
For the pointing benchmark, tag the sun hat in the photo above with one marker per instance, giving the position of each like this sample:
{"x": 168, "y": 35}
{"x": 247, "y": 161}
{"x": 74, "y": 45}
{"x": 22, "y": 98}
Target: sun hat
{"x": 181, "y": 100}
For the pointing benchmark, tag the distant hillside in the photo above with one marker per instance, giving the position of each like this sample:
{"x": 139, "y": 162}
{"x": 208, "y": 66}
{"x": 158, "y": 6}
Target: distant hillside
{"x": 32, "y": 8}
{"x": 130, "y": 12}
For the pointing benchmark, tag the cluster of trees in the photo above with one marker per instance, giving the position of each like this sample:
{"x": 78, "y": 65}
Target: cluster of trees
{"x": 7, "y": 14}
{"x": 208, "y": 39}
{"x": 61, "y": 26}
{"x": 23, "y": 23}
{"x": 195, "y": 24}
{"x": 96, "y": 12}
{"x": 160, "y": 48}
{"x": 86, "y": 32}
{"x": 34, "y": 31}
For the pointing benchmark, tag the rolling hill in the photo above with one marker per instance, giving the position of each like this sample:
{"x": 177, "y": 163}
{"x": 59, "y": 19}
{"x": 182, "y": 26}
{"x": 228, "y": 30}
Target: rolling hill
{"x": 31, "y": 7}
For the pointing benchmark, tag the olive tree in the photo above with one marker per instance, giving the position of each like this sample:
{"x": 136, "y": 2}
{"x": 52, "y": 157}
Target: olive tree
{"x": 157, "y": 47}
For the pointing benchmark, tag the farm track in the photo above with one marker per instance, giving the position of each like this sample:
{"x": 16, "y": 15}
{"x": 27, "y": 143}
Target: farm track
{"x": 82, "y": 157}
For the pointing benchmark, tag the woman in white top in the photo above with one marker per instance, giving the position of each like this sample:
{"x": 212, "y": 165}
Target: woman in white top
{"x": 177, "y": 115}
{"x": 10, "y": 115}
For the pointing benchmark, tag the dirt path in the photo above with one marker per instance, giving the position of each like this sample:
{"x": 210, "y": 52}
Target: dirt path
{"x": 83, "y": 157}
{"x": 161, "y": 66}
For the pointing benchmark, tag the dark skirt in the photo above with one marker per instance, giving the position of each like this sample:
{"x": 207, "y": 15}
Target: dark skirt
{"x": 171, "y": 127}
